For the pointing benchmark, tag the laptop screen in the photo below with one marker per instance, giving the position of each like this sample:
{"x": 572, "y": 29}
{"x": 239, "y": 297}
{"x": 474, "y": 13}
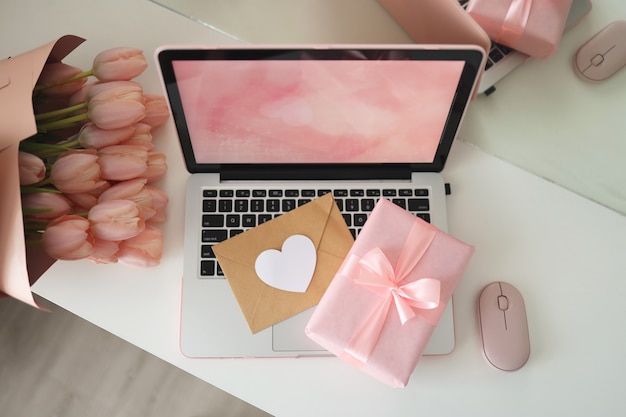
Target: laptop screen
{"x": 317, "y": 107}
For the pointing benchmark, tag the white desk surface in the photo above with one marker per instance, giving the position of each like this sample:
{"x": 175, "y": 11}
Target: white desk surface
{"x": 565, "y": 253}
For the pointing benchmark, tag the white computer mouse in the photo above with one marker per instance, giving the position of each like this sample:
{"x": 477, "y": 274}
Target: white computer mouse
{"x": 604, "y": 54}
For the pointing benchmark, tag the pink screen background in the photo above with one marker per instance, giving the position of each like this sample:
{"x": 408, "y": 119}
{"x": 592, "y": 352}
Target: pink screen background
{"x": 308, "y": 111}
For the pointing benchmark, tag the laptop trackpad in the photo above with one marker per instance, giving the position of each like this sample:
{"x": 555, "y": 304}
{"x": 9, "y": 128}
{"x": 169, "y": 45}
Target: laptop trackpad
{"x": 288, "y": 335}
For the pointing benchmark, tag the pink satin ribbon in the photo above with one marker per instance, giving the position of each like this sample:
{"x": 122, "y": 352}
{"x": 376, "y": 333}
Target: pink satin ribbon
{"x": 376, "y": 272}
{"x": 514, "y": 22}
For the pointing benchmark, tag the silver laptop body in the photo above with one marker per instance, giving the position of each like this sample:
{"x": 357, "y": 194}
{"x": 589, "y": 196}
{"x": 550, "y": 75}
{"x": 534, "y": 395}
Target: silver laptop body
{"x": 244, "y": 133}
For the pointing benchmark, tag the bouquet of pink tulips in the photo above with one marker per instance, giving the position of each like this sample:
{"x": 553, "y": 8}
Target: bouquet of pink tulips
{"x": 86, "y": 175}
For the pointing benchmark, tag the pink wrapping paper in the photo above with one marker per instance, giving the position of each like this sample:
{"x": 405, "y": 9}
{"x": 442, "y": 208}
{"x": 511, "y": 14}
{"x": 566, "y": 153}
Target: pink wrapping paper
{"x": 533, "y": 27}
{"x": 19, "y": 266}
{"x": 421, "y": 259}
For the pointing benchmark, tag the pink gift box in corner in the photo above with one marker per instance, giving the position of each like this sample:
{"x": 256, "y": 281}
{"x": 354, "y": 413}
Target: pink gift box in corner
{"x": 533, "y": 27}
{"x": 20, "y": 267}
{"x": 385, "y": 301}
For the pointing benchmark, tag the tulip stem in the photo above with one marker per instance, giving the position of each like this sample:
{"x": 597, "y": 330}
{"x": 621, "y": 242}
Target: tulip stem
{"x": 63, "y": 123}
{"x": 44, "y": 150}
{"x": 29, "y": 189}
{"x": 61, "y": 112}
{"x": 78, "y": 76}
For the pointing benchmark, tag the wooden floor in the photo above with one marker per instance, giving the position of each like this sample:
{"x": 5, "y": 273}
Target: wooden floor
{"x": 47, "y": 369}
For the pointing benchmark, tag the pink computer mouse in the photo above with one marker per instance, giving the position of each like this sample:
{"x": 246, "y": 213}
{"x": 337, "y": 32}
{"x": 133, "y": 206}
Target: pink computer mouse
{"x": 503, "y": 326}
{"x": 604, "y": 54}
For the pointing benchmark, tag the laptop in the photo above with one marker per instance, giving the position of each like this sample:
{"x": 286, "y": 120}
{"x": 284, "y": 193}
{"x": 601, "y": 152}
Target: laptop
{"x": 265, "y": 129}
{"x": 437, "y": 21}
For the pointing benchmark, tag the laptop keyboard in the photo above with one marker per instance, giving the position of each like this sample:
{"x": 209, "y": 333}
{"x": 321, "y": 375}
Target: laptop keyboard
{"x": 497, "y": 52}
{"x": 228, "y": 212}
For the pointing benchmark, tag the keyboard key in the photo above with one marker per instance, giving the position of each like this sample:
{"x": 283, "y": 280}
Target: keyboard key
{"x": 264, "y": 217}
{"x": 273, "y": 205}
{"x": 389, "y": 193}
{"x": 367, "y": 204}
{"x": 424, "y": 216}
{"x": 308, "y": 193}
{"x": 276, "y": 193}
{"x": 292, "y": 193}
{"x": 360, "y": 219}
{"x": 259, "y": 193}
{"x": 233, "y": 220}
{"x": 248, "y": 220}
{"x": 322, "y": 192}
{"x": 340, "y": 193}
{"x": 212, "y": 220}
{"x": 357, "y": 193}
{"x": 209, "y": 193}
{"x": 373, "y": 193}
{"x": 495, "y": 55}
{"x": 257, "y": 206}
{"x": 288, "y": 205}
{"x": 209, "y": 206}
{"x": 347, "y": 218}
{"x": 215, "y": 236}
{"x": 421, "y": 192}
{"x": 207, "y": 268}
{"x": 225, "y": 206}
{"x": 226, "y": 193}
{"x": 242, "y": 193}
{"x": 419, "y": 204}
{"x": 303, "y": 201}
{"x": 405, "y": 193}
{"x": 352, "y": 204}
{"x": 241, "y": 206}
{"x": 235, "y": 232}
{"x": 400, "y": 202}
{"x": 206, "y": 251}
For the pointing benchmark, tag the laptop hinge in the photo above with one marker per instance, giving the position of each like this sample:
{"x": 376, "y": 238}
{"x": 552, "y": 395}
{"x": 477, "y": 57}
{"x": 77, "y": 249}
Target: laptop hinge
{"x": 315, "y": 172}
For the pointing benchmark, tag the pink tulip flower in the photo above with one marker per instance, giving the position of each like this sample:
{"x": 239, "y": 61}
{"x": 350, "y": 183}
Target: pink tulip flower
{"x": 157, "y": 111}
{"x": 76, "y": 171}
{"x": 105, "y": 252}
{"x": 143, "y": 250}
{"x": 115, "y": 220}
{"x": 133, "y": 190}
{"x": 53, "y": 77}
{"x": 54, "y": 204}
{"x": 122, "y": 162}
{"x": 159, "y": 203}
{"x": 93, "y": 137}
{"x": 80, "y": 96}
{"x": 116, "y": 107}
{"x": 157, "y": 166}
{"x": 68, "y": 238}
{"x": 119, "y": 64}
{"x": 141, "y": 136}
{"x": 85, "y": 201}
{"x": 100, "y": 88}
{"x": 31, "y": 168}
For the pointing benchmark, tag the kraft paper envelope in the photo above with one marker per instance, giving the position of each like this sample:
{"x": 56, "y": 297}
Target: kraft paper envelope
{"x": 18, "y": 76}
{"x": 263, "y": 305}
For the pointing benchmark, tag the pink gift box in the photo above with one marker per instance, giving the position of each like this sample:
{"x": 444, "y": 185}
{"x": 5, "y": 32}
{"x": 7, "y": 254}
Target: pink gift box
{"x": 390, "y": 292}
{"x": 533, "y": 27}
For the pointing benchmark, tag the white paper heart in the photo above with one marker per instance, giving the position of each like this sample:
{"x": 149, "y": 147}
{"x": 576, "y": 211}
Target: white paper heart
{"x": 290, "y": 269}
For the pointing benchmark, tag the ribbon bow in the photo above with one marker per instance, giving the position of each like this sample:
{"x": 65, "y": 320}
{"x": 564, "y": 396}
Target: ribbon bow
{"x": 376, "y": 273}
